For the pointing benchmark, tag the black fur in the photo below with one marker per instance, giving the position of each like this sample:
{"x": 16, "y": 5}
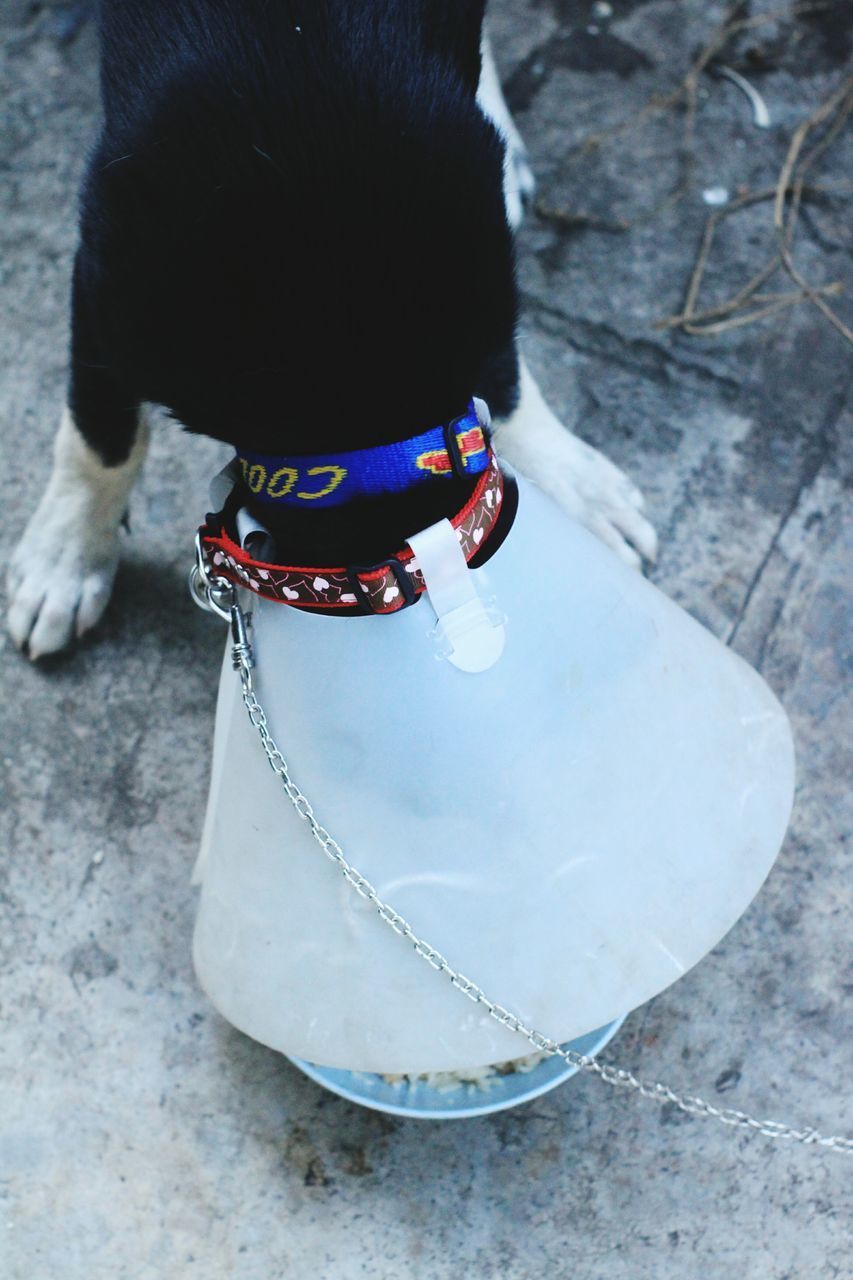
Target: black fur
{"x": 293, "y": 237}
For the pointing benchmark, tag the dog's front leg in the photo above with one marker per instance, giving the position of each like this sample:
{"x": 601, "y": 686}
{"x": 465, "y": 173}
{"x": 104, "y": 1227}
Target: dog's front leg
{"x": 586, "y": 484}
{"x": 62, "y": 570}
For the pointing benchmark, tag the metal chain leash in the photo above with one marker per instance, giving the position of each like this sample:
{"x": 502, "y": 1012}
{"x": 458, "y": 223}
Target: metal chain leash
{"x": 220, "y": 597}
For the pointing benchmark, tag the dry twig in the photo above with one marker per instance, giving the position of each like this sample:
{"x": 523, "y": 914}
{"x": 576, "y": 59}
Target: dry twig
{"x": 788, "y": 193}
{"x": 842, "y": 102}
{"x": 687, "y": 91}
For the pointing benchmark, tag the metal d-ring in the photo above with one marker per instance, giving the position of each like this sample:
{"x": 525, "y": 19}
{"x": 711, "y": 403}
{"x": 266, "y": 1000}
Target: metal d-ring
{"x": 209, "y": 590}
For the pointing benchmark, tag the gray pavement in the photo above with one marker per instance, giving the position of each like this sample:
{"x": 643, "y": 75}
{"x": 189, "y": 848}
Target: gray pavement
{"x": 141, "y": 1136}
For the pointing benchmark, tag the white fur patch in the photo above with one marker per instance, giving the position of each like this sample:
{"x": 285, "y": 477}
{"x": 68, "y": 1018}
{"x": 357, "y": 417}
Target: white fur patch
{"x": 519, "y": 183}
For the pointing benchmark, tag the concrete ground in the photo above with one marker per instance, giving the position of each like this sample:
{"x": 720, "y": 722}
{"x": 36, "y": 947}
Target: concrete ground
{"x": 141, "y": 1136}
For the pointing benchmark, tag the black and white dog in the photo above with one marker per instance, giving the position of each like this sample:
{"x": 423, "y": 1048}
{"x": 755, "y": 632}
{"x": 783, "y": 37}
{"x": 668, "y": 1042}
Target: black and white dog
{"x": 296, "y": 235}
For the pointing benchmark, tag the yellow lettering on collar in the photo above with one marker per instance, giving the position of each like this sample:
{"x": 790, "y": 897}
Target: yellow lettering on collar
{"x": 337, "y": 475}
{"x": 282, "y": 481}
{"x": 255, "y": 476}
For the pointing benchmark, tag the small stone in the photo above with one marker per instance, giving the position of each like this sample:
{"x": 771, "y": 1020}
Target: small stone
{"x": 90, "y": 961}
{"x": 727, "y": 1080}
{"x": 716, "y": 195}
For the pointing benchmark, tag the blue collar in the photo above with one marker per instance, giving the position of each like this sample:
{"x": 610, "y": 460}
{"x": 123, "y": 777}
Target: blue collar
{"x": 327, "y": 480}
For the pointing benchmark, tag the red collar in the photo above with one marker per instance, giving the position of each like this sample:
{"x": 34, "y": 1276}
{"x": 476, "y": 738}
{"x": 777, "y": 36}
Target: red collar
{"x": 384, "y": 588}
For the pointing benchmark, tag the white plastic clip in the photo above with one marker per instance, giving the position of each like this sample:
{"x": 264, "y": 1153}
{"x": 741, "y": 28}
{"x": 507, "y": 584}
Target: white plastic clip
{"x": 469, "y": 630}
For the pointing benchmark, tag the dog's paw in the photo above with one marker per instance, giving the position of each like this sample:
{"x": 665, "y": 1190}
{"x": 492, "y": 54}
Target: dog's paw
{"x": 60, "y": 577}
{"x": 61, "y": 573}
{"x": 596, "y": 493}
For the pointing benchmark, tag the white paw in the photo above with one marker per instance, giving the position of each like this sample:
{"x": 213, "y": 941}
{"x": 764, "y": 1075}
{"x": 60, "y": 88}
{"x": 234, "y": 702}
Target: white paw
{"x": 60, "y": 578}
{"x": 62, "y": 571}
{"x": 591, "y": 489}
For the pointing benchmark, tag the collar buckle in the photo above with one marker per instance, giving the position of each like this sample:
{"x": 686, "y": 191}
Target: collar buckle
{"x": 402, "y": 579}
{"x": 452, "y": 431}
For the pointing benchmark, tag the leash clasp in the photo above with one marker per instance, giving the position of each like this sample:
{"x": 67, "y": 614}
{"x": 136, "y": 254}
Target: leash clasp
{"x": 216, "y": 594}
{"x": 242, "y": 655}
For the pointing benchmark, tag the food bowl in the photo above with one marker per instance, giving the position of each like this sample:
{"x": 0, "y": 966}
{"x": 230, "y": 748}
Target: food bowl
{"x": 422, "y": 1101}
